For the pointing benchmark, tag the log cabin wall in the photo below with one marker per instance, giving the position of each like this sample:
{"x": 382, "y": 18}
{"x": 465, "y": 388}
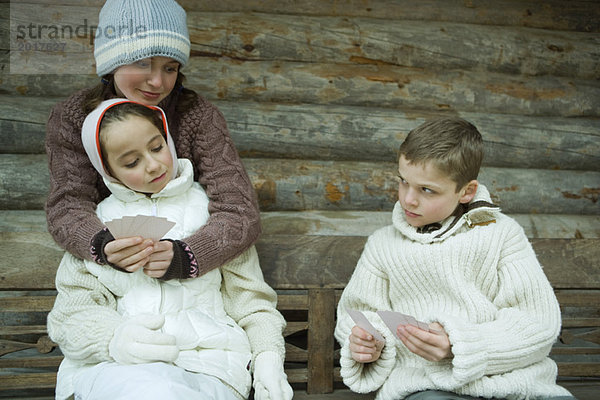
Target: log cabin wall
{"x": 319, "y": 94}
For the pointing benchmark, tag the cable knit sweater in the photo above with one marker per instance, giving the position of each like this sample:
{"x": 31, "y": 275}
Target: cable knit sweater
{"x": 479, "y": 277}
{"x": 200, "y": 135}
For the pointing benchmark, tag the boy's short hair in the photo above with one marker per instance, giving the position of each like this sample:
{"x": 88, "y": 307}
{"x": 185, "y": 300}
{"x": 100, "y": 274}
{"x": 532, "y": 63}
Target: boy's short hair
{"x": 454, "y": 145}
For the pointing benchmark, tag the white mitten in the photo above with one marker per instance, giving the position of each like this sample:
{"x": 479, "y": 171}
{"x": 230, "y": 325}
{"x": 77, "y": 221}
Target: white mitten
{"x": 137, "y": 341}
{"x": 270, "y": 382}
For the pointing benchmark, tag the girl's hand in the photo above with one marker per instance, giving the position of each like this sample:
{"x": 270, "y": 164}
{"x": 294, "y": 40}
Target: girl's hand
{"x": 160, "y": 260}
{"x": 130, "y": 253}
{"x": 433, "y": 345}
{"x": 363, "y": 346}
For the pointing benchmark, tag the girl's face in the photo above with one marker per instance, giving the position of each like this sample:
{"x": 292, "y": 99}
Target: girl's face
{"x": 137, "y": 154}
{"x": 427, "y": 195}
{"x": 147, "y": 81}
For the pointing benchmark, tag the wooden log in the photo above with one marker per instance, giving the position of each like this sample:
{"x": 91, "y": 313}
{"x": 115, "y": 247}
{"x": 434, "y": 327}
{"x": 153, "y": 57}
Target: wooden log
{"x": 576, "y": 15}
{"x": 331, "y": 132}
{"x": 393, "y": 86}
{"x": 349, "y": 223}
{"x": 290, "y": 261}
{"x": 321, "y": 185}
{"x": 420, "y": 44}
{"x": 356, "y": 84}
{"x": 344, "y": 185}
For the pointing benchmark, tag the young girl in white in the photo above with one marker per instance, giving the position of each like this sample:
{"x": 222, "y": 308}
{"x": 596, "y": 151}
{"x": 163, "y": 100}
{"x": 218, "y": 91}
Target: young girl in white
{"x": 127, "y": 335}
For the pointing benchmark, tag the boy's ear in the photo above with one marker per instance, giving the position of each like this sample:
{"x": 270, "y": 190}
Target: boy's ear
{"x": 468, "y": 191}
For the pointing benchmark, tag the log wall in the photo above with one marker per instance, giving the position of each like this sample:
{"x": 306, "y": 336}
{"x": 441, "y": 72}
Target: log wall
{"x": 319, "y": 94}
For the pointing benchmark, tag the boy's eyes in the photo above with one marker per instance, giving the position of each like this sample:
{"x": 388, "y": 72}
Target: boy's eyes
{"x": 424, "y": 189}
{"x": 157, "y": 149}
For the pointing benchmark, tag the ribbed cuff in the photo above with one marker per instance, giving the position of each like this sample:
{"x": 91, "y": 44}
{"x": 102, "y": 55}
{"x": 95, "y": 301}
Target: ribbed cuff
{"x": 183, "y": 265}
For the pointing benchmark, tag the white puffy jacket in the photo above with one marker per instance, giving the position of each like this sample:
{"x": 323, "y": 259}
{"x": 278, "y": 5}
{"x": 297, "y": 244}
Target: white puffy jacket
{"x": 210, "y": 342}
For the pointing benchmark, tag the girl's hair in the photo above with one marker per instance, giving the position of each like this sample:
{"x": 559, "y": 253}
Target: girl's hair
{"x": 120, "y": 112}
{"x": 454, "y": 145}
{"x": 106, "y": 89}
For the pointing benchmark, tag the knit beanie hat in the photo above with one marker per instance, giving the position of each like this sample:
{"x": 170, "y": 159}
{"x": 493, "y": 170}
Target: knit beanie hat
{"x": 90, "y": 136}
{"x": 131, "y": 30}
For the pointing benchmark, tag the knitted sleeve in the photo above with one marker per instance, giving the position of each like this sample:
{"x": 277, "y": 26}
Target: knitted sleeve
{"x": 234, "y": 223}
{"x": 84, "y": 317}
{"x": 524, "y": 328}
{"x": 71, "y": 202}
{"x": 251, "y": 302}
{"x": 367, "y": 291}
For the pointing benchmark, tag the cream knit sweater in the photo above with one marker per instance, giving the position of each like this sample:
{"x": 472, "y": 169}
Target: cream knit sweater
{"x": 482, "y": 283}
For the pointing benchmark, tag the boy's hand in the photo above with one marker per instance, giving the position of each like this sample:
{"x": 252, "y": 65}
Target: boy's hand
{"x": 160, "y": 260}
{"x": 363, "y": 346}
{"x": 129, "y": 253}
{"x": 433, "y": 345}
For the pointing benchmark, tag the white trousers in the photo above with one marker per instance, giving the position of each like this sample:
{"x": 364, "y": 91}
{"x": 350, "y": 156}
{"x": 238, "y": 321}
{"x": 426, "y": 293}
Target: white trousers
{"x": 156, "y": 381}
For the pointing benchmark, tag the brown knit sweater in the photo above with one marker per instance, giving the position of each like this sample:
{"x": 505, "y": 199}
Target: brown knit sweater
{"x": 201, "y": 135}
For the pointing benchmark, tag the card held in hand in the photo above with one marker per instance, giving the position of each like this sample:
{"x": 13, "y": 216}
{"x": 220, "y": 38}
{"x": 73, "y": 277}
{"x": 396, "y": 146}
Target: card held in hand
{"x": 361, "y": 320}
{"x": 146, "y": 226}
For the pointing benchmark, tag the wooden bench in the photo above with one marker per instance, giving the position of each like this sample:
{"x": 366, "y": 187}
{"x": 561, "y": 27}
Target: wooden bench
{"x": 309, "y": 273}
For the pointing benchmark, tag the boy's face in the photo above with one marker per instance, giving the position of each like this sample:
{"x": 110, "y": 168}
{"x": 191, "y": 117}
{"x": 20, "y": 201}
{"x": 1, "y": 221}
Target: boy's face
{"x": 427, "y": 195}
{"x": 137, "y": 154}
{"x": 147, "y": 81}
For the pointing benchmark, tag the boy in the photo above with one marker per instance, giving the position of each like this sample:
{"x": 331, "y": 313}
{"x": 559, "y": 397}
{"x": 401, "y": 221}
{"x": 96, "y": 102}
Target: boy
{"x": 454, "y": 261}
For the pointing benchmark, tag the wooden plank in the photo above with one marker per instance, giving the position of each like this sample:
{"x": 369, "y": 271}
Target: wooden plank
{"x": 344, "y": 185}
{"x": 22, "y": 329}
{"x": 27, "y": 303}
{"x": 295, "y": 327}
{"x": 292, "y": 302}
{"x": 573, "y": 264}
{"x": 28, "y": 381}
{"x": 31, "y": 362}
{"x": 355, "y": 84}
{"x": 578, "y": 298}
{"x": 296, "y": 375}
{"x": 289, "y": 262}
{"x": 591, "y": 369}
{"x": 320, "y": 340}
{"x": 22, "y": 254}
{"x": 279, "y": 130}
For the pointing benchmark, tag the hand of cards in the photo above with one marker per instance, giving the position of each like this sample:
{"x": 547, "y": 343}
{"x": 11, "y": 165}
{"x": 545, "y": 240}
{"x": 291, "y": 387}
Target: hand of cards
{"x": 391, "y": 319}
{"x": 145, "y": 226}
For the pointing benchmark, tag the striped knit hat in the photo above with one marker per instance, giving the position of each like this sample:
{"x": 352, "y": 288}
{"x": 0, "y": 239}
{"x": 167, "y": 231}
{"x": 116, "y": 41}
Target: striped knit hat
{"x": 131, "y": 30}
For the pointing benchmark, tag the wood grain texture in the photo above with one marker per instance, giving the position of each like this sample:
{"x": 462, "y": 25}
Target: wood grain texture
{"x": 344, "y": 185}
{"x": 329, "y": 132}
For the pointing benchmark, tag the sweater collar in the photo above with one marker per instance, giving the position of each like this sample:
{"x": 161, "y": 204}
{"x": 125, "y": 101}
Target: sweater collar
{"x": 480, "y": 211}
{"x": 175, "y": 187}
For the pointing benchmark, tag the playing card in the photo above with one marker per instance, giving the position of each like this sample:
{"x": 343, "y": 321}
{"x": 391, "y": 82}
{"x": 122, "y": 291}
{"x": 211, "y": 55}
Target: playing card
{"x": 361, "y": 320}
{"x": 146, "y": 226}
{"x": 392, "y": 319}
